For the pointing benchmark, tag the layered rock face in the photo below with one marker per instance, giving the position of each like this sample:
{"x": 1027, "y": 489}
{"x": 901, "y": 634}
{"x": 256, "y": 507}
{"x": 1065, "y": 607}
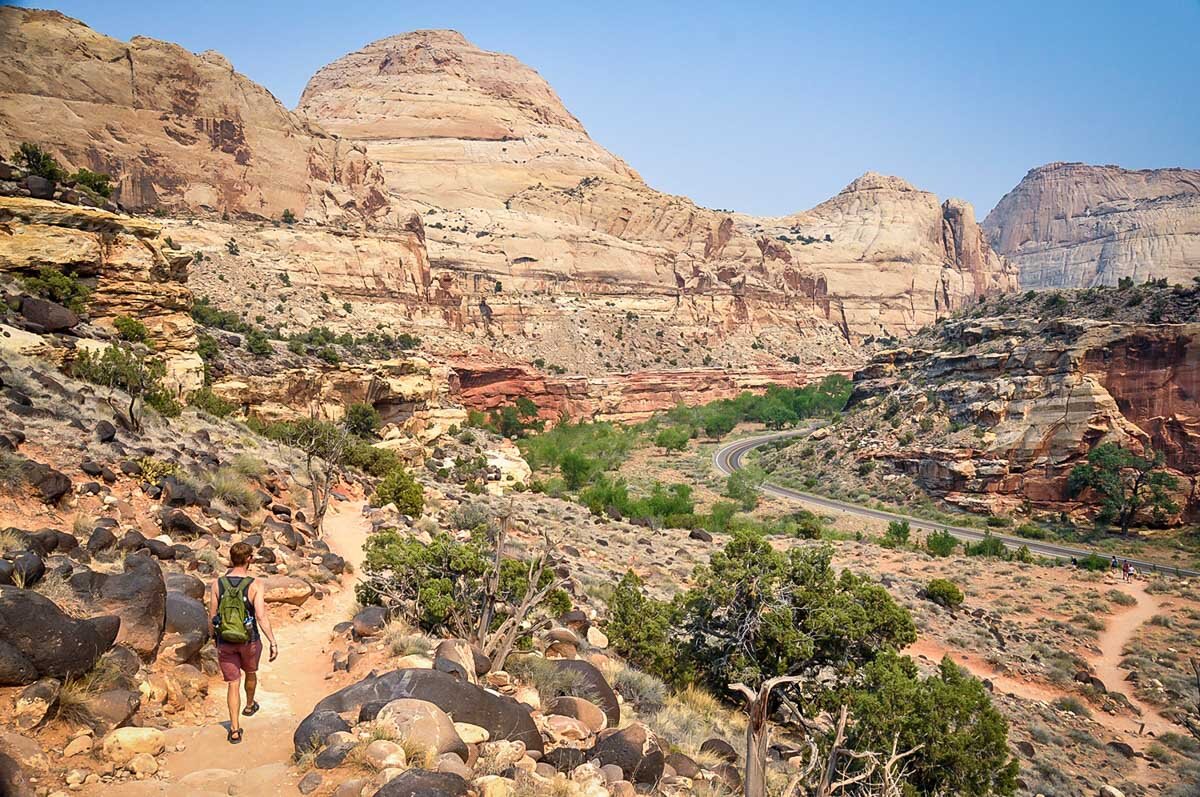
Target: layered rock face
{"x": 520, "y": 195}
{"x": 1042, "y": 395}
{"x": 628, "y": 398}
{"x": 454, "y": 125}
{"x": 177, "y": 131}
{"x": 412, "y": 396}
{"x": 133, "y": 273}
{"x": 1072, "y": 225}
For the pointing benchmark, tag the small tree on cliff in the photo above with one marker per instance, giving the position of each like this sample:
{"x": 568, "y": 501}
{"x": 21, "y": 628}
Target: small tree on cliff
{"x": 1127, "y": 482}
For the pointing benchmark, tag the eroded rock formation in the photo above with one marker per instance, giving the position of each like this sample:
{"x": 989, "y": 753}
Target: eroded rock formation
{"x": 133, "y": 274}
{"x": 1073, "y": 225}
{"x": 178, "y": 131}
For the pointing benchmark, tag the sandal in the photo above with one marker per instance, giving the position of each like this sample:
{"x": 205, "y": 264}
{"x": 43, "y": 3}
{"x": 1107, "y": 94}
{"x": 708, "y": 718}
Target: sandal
{"x": 250, "y": 710}
{"x": 235, "y": 736}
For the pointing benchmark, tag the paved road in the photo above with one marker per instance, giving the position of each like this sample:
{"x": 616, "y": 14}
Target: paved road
{"x": 728, "y": 457}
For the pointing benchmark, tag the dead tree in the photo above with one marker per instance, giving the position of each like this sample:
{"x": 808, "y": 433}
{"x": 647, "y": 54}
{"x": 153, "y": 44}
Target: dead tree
{"x": 843, "y": 771}
{"x": 324, "y": 446}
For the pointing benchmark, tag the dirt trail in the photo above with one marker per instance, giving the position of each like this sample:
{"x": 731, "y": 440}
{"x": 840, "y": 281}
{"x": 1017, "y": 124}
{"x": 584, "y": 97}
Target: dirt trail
{"x": 1106, "y": 665}
{"x": 289, "y": 687}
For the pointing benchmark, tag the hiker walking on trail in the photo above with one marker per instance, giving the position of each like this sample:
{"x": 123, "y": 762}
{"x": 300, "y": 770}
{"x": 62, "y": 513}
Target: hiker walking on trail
{"x": 239, "y": 611}
{"x": 1125, "y": 569}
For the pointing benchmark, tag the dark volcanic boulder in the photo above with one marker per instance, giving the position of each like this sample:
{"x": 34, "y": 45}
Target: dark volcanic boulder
{"x": 51, "y": 642}
{"x": 176, "y": 521}
{"x": 28, "y": 569}
{"x": 51, "y": 316}
{"x": 314, "y": 729}
{"x": 105, "y": 433}
{"x": 635, "y": 750}
{"x": 422, "y": 783}
{"x": 187, "y": 626}
{"x": 592, "y": 686}
{"x": 185, "y": 584}
{"x": 14, "y": 667}
{"x": 101, "y": 540}
{"x": 138, "y": 596}
{"x": 721, "y": 749}
{"x": 370, "y": 621}
{"x": 13, "y": 780}
{"x": 50, "y": 483}
{"x": 176, "y": 493}
{"x": 502, "y": 717}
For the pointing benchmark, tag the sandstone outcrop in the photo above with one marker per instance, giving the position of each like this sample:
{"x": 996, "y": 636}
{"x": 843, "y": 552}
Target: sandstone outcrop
{"x": 177, "y": 131}
{"x": 133, "y": 273}
{"x": 1026, "y": 401}
{"x": 454, "y": 125}
{"x": 1073, "y": 225}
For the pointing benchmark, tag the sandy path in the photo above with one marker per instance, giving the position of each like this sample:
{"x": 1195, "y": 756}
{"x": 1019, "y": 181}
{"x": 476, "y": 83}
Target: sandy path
{"x": 288, "y": 689}
{"x": 1106, "y": 665}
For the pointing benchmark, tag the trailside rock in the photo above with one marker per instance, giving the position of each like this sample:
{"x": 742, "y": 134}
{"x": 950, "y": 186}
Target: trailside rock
{"x": 316, "y": 728}
{"x": 422, "y": 783}
{"x": 591, "y": 682}
{"x": 635, "y": 750}
{"x": 138, "y": 596}
{"x": 502, "y": 717}
{"x": 454, "y": 656}
{"x": 422, "y": 724}
{"x": 370, "y": 621}
{"x": 286, "y": 589}
{"x": 123, "y": 744}
{"x": 38, "y": 638}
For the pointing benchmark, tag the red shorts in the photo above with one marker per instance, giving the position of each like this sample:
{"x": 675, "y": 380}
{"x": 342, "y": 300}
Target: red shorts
{"x": 236, "y": 659}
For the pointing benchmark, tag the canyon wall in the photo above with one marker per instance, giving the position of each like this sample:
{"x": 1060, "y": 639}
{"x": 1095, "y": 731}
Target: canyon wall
{"x": 1073, "y": 225}
{"x": 179, "y": 133}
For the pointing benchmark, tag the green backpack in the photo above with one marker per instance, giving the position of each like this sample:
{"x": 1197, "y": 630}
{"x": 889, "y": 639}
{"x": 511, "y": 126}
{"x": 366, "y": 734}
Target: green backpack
{"x": 233, "y": 616}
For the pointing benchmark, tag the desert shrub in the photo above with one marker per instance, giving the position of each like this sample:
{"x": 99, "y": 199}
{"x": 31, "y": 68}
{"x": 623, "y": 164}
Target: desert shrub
{"x": 639, "y": 628}
{"x": 963, "y": 737}
{"x": 576, "y": 469}
{"x": 12, "y": 470}
{"x": 988, "y": 546}
{"x": 1093, "y": 562}
{"x": 467, "y": 517}
{"x": 37, "y": 161}
{"x": 257, "y": 343}
{"x": 66, "y": 289}
{"x": 944, "y": 593}
{"x": 673, "y": 438}
{"x": 742, "y": 486}
{"x": 399, "y": 488}
{"x": 548, "y": 678}
{"x": 606, "y": 444}
{"x": 131, "y": 371}
{"x": 645, "y": 692}
{"x": 131, "y": 329}
{"x": 153, "y": 470}
{"x": 96, "y": 182}
{"x": 362, "y": 419}
{"x": 207, "y": 401}
{"x": 1121, "y": 598}
{"x": 1073, "y": 705}
{"x": 941, "y": 543}
{"x": 371, "y": 459}
{"x": 249, "y": 466}
{"x": 288, "y": 216}
{"x": 897, "y": 534}
{"x": 231, "y": 487}
{"x": 441, "y": 584}
{"x": 1032, "y": 531}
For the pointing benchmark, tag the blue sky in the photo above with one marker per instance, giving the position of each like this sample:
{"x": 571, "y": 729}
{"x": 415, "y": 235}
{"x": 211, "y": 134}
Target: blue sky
{"x": 771, "y": 107}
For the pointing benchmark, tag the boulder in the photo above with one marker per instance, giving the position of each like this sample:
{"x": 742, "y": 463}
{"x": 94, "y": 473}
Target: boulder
{"x": 187, "y": 626}
{"x": 13, "y": 780}
{"x": 422, "y": 724}
{"x": 101, "y": 540}
{"x": 422, "y": 783}
{"x": 138, "y": 596}
{"x": 683, "y": 765}
{"x": 635, "y": 750}
{"x": 454, "y": 656}
{"x": 286, "y": 589}
{"x": 51, "y": 316}
{"x": 185, "y": 584}
{"x": 113, "y": 708}
{"x": 34, "y": 703}
{"x": 577, "y": 708}
{"x": 315, "y": 729}
{"x": 502, "y": 717}
{"x": 105, "y": 432}
{"x": 39, "y": 639}
{"x": 721, "y": 749}
{"x": 176, "y": 521}
{"x": 591, "y": 683}
{"x": 121, "y": 745}
{"x": 370, "y": 621}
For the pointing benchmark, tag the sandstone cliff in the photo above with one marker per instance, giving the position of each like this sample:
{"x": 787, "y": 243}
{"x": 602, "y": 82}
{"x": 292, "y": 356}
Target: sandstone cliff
{"x": 454, "y": 125}
{"x": 133, "y": 274}
{"x": 179, "y": 132}
{"x": 1072, "y": 225}
{"x": 518, "y": 192}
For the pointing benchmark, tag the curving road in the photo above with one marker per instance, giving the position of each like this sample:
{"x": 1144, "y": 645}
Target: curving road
{"x": 728, "y": 457}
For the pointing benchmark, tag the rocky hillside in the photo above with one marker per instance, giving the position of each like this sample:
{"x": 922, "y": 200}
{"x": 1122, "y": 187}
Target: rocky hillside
{"x": 1073, "y": 225}
{"x": 179, "y": 132}
{"x": 991, "y": 412}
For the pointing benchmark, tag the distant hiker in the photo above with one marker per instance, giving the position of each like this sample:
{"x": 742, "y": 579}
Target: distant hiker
{"x": 239, "y": 610}
{"x": 1125, "y": 566}
{"x": 1114, "y": 563}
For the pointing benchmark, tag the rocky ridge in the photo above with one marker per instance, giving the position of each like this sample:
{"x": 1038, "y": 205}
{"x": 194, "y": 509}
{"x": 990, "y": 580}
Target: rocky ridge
{"x": 1074, "y": 225}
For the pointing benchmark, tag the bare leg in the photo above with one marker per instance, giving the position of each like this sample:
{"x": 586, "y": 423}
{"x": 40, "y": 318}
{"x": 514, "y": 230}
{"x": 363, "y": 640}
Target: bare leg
{"x": 234, "y": 698}
{"x": 251, "y": 685}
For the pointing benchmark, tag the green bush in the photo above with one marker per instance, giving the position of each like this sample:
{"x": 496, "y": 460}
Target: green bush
{"x": 257, "y": 343}
{"x": 963, "y": 737}
{"x": 1094, "y": 562}
{"x": 607, "y": 444}
{"x": 443, "y": 582}
{"x": 207, "y": 401}
{"x": 742, "y": 486}
{"x": 124, "y": 369}
{"x": 288, "y": 216}
{"x": 37, "y": 161}
{"x": 897, "y": 534}
{"x": 1032, "y": 531}
{"x": 372, "y": 459}
{"x": 944, "y": 593}
{"x": 673, "y": 438}
{"x": 988, "y": 546}
{"x": 52, "y": 284}
{"x": 362, "y": 419}
{"x": 93, "y": 181}
{"x": 941, "y": 543}
{"x": 576, "y": 469}
{"x": 399, "y": 488}
{"x": 131, "y": 329}
{"x": 639, "y": 628}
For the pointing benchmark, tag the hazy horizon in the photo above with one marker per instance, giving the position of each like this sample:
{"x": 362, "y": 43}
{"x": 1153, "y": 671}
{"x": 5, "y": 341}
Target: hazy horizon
{"x": 773, "y": 109}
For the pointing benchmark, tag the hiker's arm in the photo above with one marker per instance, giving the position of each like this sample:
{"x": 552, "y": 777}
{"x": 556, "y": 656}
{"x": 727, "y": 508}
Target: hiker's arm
{"x": 260, "y": 614}
{"x": 212, "y": 601}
